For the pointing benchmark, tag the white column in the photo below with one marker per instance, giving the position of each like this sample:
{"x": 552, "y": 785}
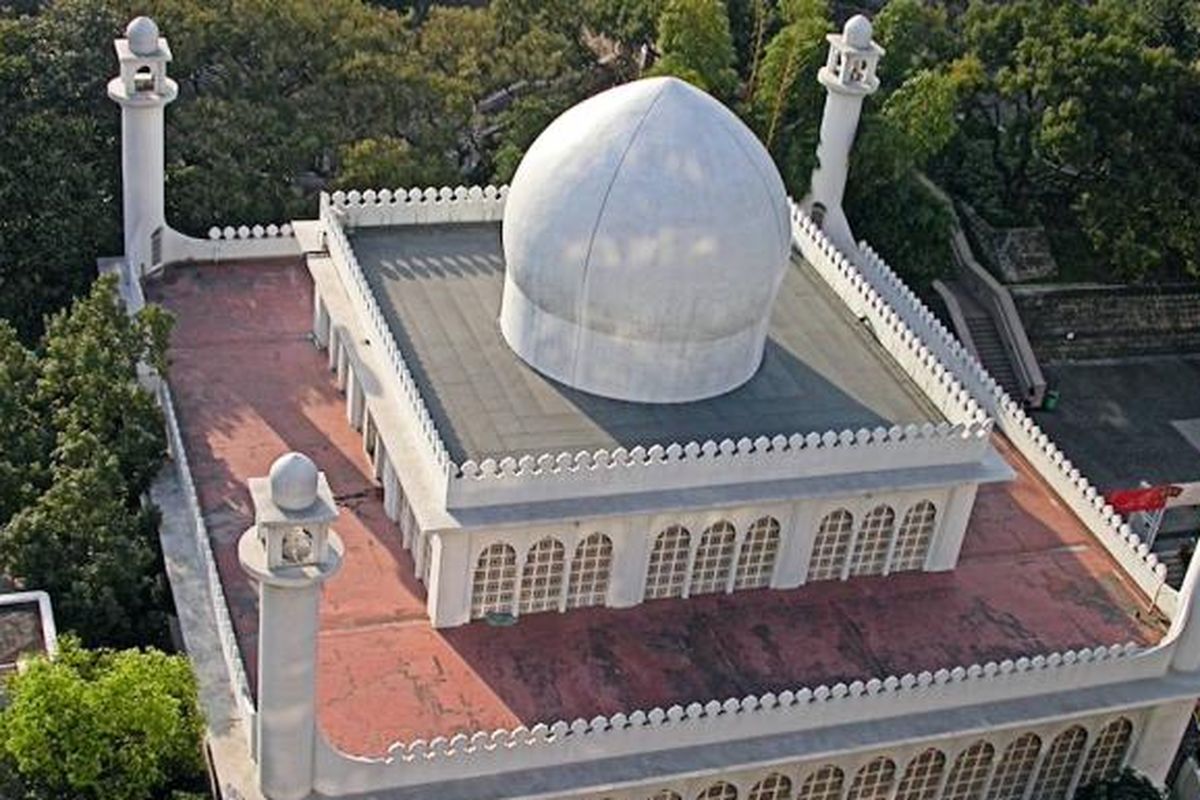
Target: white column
{"x": 951, "y": 528}
{"x": 450, "y": 571}
{"x": 287, "y": 681}
{"x": 1159, "y": 738}
{"x": 142, "y": 90}
{"x": 848, "y": 77}
{"x": 795, "y": 547}
{"x": 631, "y": 556}
{"x": 1185, "y": 627}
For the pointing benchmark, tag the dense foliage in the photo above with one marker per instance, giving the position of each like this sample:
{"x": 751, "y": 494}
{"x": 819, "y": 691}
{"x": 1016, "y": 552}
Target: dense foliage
{"x": 1081, "y": 116}
{"x": 80, "y": 441}
{"x": 101, "y": 725}
{"x": 1127, "y": 785}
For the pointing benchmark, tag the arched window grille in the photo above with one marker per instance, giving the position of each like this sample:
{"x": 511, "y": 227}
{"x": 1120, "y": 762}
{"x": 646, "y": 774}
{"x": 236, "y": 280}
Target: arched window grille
{"x": 832, "y": 542}
{"x": 494, "y": 581}
{"x": 720, "y": 790}
{"x": 591, "y": 568}
{"x": 667, "y": 572}
{"x": 914, "y": 537}
{"x": 714, "y": 558}
{"x": 874, "y": 538}
{"x": 1015, "y": 769}
{"x": 542, "y": 577}
{"x": 969, "y": 773}
{"x": 922, "y": 776}
{"x": 824, "y": 784}
{"x": 1054, "y": 779}
{"x": 773, "y": 787}
{"x": 1107, "y": 752}
{"x": 873, "y": 781}
{"x": 756, "y": 561}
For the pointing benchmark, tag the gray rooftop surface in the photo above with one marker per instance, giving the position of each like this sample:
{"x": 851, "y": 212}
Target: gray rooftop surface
{"x": 439, "y": 288}
{"x": 1127, "y": 420}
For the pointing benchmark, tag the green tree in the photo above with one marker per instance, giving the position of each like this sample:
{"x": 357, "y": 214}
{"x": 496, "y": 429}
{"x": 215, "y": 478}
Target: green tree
{"x": 85, "y": 441}
{"x": 102, "y": 724}
{"x": 784, "y": 108}
{"x": 697, "y": 46}
{"x": 1128, "y": 785}
{"x": 25, "y": 442}
{"x": 1082, "y": 118}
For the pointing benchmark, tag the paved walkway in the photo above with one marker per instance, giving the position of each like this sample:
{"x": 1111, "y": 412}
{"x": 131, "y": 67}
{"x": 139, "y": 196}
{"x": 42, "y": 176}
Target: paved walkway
{"x": 249, "y": 385}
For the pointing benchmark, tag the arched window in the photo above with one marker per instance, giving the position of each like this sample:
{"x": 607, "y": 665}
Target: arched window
{"x": 590, "y": 569}
{"x": 922, "y": 776}
{"x": 667, "y": 572}
{"x": 873, "y": 781}
{"x": 720, "y": 790}
{"x": 874, "y": 538}
{"x": 714, "y": 558}
{"x": 772, "y": 787}
{"x": 824, "y": 784}
{"x": 665, "y": 794}
{"x": 829, "y": 549}
{"x": 914, "y": 537}
{"x": 1054, "y": 778}
{"x": 1107, "y": 752}
{"x": 969, "y": 773}
{"x": 756, "y": 561}
{"x": 494, "y": 582}
{"x": 1016, "y": 767}
{"x": 542, "y": 578}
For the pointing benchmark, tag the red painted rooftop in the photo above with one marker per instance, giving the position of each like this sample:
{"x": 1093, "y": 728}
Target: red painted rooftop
{"x": 249, "y": 385}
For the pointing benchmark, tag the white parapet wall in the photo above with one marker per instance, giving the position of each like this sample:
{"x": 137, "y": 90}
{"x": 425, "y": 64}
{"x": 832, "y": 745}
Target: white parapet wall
{"x": 869, "y": 280}
{"x": 563, "y": 475}
{"x": 461, "y": 755}
{"x": 242, "y": 243}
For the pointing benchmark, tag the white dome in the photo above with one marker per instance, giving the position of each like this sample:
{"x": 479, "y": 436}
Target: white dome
{"x": 293, "y": 479}
{"x": 645, "y": 235}
{"x": 858, "y": 32}
{"x": 142, "y": 33}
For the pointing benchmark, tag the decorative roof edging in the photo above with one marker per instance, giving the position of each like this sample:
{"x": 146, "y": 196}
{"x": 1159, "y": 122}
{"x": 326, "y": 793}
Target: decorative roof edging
{"x": 230, "y": 650}
{"x": 551, "y": 476}
{"x": 1051, "y": 463}
{"x": 484, "y": 753}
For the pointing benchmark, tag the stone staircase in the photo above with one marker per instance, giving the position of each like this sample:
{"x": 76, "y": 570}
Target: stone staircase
{"x": 983, "y": 340}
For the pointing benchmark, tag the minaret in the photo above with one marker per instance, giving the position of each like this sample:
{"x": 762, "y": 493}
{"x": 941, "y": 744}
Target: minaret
{"x": 143, "y": 90}
{"x": 848, "y": 77}
{"x": 289, "y": 553}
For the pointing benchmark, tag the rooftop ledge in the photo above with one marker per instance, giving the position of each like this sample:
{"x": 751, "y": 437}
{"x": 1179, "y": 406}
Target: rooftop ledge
{"x": 950, "y": 429}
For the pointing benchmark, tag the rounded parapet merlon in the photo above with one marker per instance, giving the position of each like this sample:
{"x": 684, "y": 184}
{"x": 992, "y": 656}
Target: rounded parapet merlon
{"x": 873, "y": 697}
{"x": 964, "y": 386}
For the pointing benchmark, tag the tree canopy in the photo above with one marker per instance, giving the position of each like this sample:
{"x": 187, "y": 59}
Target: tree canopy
{"x": 82, "y": 441}
{"x": 102, "y": 725}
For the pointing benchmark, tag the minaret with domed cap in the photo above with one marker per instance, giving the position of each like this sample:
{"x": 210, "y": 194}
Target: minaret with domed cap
{"x": 289, "y": 552}
{"x": 848, "y": 76}
{"x": 143, "y": 90}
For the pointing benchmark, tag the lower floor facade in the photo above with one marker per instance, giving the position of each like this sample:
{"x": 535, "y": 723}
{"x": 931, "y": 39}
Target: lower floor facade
{"x": 622, "y": 560}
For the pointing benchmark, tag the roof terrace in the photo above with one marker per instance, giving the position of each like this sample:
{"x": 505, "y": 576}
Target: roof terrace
{"x": 249, "y": 385}
{"x": 439, "y": 288}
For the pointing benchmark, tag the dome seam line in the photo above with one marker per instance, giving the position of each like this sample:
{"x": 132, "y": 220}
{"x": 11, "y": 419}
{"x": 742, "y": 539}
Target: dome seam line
{"x": 587, "y": 259}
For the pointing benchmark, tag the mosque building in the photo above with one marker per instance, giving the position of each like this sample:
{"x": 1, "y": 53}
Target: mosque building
{"x": 633, "y": 480}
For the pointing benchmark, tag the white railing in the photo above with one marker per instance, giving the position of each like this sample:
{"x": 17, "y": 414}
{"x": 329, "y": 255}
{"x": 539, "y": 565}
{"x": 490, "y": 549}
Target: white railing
{"x": 433, "y": 448}
{"x": 481, "y": 753}
{"x": 230, "y": 650}
{"x": 1051, "y": 463}
{"x": 555, "y": 476}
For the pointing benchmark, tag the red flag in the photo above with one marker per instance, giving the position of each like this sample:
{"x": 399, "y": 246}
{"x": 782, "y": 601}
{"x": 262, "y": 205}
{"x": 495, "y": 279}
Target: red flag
{"x": 1150, "y": 498}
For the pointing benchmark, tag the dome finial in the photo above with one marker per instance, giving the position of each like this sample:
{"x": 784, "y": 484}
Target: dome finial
{"x": 142, "y": 33}
{"x": 858, "y": 32}
{"x": 293, "y": 479}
